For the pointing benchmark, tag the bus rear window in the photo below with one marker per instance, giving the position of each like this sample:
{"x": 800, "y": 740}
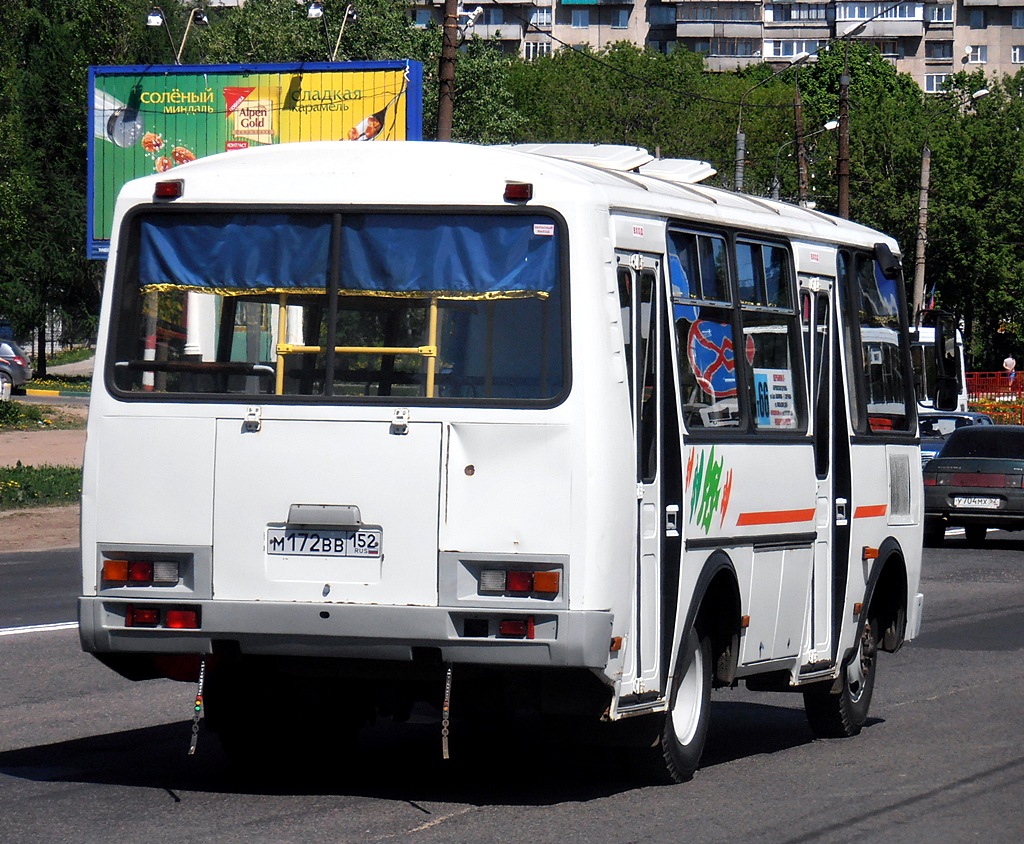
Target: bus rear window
{"x": 416, "y": 306}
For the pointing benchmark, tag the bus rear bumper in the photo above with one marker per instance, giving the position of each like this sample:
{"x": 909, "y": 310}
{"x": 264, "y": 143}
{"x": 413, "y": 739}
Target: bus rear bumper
{"x": 352, "y": 631}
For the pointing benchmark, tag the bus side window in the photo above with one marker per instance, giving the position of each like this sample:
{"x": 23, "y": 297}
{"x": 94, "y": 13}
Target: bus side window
{"x": 706, "y": 357}
{"x": 771, "y": 336}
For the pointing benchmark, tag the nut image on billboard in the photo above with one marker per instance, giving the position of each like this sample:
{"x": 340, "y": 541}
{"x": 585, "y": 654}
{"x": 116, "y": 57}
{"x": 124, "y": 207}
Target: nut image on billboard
{"x": 149, "y": 119}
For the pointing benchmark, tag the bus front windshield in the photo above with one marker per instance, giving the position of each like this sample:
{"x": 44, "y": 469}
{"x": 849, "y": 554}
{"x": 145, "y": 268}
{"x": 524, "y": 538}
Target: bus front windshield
{"x": 351, "y": 306}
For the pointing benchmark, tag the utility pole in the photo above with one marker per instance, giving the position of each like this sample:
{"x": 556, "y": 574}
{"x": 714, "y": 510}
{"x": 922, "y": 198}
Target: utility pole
{"x": 801, "y": 148}
{"x": 446, "y": 70}
{"x": 843, "y": 164}
{"x": 922, "y": 230}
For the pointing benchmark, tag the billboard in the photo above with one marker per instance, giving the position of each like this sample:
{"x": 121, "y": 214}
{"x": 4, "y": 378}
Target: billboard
{"x": 152, "y": 119}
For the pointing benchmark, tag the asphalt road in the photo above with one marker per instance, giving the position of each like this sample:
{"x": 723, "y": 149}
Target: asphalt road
{"x": 88, "y": 757}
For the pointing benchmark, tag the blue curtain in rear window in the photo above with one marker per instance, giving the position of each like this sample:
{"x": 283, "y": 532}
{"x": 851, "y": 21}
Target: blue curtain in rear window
{"x": 461, "y": 256}
{"x": 244, "y": 251}
{"x": 394, "y": 253}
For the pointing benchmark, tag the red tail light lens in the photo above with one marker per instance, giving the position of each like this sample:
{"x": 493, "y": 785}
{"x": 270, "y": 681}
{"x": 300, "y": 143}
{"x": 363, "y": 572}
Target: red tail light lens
{"x": 182, "y": 619}
{"x": 518, "y": 192}
{"x": 519, "y": 581}
{"x": 519, "y": 628}
{"x": 172, "y": 189}
{"x": 141, "y": 617}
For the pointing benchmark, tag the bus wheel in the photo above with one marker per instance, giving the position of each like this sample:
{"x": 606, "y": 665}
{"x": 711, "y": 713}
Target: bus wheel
{"x": 975, "y": 535}
{"x": 843, "y": 713}
{"x": 934, "y": 533}
{"x": 686, "y": 724}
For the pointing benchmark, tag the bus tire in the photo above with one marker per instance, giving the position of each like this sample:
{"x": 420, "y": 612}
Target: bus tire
{"x": 686, "y": 723}
{"x": 841, "y": 714}
{"x": 934, "y": 533}
{"x": 975, "y": 535}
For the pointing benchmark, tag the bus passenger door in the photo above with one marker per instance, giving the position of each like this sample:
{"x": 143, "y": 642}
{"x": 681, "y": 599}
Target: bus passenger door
{"x": 832, "y": 499}
{"x": 640, "y": 299}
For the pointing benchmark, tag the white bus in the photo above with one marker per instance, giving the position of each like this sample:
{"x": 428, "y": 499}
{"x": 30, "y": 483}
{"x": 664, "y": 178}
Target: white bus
{"x": 377, "y": 424}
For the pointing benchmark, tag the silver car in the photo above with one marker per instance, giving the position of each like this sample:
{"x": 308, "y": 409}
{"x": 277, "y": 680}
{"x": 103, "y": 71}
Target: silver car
{"x": 14, "y": 367}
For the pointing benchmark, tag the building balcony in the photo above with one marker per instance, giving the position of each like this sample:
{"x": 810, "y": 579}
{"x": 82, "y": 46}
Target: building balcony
{"x": 718, "y": 29}
{"x": 499, "y": 31}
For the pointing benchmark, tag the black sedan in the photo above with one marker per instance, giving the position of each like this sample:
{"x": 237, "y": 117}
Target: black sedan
{"x": 975, "y": 481}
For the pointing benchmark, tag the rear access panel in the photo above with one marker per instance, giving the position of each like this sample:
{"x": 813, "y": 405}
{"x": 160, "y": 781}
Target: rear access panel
{"x": 326, "y": 511}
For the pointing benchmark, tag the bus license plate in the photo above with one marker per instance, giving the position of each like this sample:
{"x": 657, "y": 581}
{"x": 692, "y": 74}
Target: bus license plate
{"x": 979, "y": 502}
{"x": 326, "y": 542}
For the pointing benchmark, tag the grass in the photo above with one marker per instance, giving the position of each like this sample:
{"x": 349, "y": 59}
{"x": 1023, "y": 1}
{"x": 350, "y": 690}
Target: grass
{"x": 69, "y": 356}
{"x": 78, "y": 383}
{"x": 21, "y": 416}
{"x": 39, "y": 486}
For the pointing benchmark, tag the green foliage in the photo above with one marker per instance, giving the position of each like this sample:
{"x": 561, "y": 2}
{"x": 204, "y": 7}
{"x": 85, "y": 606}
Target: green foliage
{"x": 19, "y": 416}
{"x": 39, "y": 486}
{"x": 616, "y": 94}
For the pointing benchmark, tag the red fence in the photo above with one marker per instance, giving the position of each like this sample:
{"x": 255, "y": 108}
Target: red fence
{"x": 998, "y": 394}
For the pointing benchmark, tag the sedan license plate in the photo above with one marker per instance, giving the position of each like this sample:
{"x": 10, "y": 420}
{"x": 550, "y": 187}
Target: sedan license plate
{"x": 324, "y": 542}
{"x": 978, "y": 502}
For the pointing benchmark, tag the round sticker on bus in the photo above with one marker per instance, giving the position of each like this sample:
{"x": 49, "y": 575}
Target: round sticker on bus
{"x": 710, "y": 351}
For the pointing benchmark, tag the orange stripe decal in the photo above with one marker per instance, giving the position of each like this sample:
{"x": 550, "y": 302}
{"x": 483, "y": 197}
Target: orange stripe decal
{"x": 775, "y": 517}
{"x": 870, "y": 511}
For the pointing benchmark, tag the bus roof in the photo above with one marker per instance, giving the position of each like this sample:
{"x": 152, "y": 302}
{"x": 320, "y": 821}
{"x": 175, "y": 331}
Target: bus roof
{"x": 433, "y": 174}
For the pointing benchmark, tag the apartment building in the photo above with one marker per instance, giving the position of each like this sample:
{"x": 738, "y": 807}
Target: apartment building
{"x": 929, "y": 39}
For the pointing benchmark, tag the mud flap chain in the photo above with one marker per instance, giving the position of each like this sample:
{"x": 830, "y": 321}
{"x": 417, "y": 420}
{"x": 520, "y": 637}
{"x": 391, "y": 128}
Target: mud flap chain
{"x": 198, "y": 712}
{"x": 445, "y": 711}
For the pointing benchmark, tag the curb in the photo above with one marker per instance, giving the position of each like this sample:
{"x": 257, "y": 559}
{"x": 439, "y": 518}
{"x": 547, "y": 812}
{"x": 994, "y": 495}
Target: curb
{"x": 69, "y": 393}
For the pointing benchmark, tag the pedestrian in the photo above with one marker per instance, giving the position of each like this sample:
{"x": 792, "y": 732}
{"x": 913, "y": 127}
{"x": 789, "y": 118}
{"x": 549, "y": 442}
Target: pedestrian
{"x": 1010, "y": 365}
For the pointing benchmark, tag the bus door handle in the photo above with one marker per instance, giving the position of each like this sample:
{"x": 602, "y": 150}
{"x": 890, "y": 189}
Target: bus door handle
{"x": 672, "y": 520}
{"x": 841, "y": 516}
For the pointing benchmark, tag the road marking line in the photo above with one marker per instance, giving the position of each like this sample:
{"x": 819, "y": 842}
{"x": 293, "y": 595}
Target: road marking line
{"x": 38, "y": 628}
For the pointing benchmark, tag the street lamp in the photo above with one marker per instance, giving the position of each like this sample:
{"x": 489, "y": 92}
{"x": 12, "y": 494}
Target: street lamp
{"x": 316, "y": 11}
{"x": 156, "y": 17}
{"x": 830, "y": 126}
{"x": 741, "y": 138}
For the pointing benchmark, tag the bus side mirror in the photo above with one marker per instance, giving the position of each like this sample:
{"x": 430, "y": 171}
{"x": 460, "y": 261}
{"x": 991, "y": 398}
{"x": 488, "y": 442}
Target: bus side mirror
{"x": 886, "y": 261}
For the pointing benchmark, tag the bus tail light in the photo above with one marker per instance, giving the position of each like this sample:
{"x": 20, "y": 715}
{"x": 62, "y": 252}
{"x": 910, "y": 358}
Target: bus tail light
{"x": 141, "y": 572}
{"x": 517, "y": 628}
{"x": 182, "y": 619}
{"x": 170, "y": 189}
{"x": 141, "y": 616}
{"x": 520, "y": 582}
{"x": 518, "y": 192}
{"x": 178, "y": 618}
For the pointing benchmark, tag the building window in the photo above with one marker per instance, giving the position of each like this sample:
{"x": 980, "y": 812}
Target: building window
{"x": 788, "y": 49}
{"x": 978, "y": 55}
{"x": 977, "y": 19}
{"x": 536, "y": 49}
{"x": 873, "y": 11}
{"x": 580, "y": 18}
{"x": 493, "y": 16}
{"x": 934, "y": 82}
{"x": 1017, "y": 19}
{"x": 541, "y": 16}
{"x": 423, "y": 17}
{"x": 726, "y": 12}
{"x": 661, "y": 15}
{"x": 940, "y": 14}
{"x": 1017, "y": 54}
{"x": 890, "y": 48}
{"x": 938, "y": 50}
{"x": 734, "y": 47}
{"x": 784, "y": 12}
{"x": 620, "y": 18}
